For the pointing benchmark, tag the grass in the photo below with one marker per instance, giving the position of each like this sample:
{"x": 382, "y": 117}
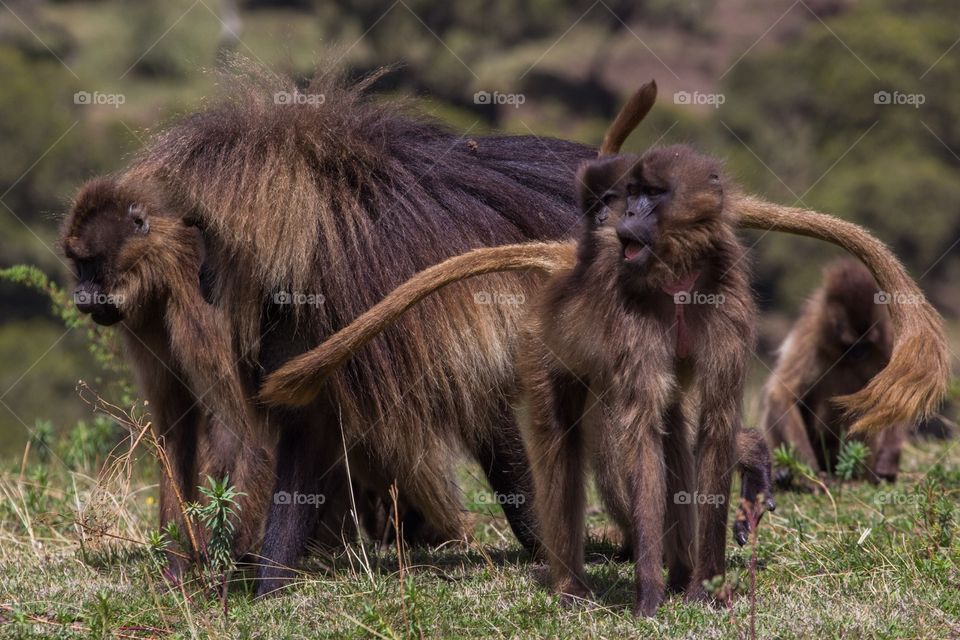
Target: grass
{"x": 884, "y": 564}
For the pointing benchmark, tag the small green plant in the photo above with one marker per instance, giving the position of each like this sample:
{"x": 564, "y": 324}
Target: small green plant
{"x": 87, "y": 445}
{"x": 41, "y": 440}
{"x": 158, "y": 542}
{"x": 217, "y": 515}
{"x": 100, "y": 616}
{"x": 852, "y": 460}
{"x": 937, "y": 508}
{"x": 786, "y": 459}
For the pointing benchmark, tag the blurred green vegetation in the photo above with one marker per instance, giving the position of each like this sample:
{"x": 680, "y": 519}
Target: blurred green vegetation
{"x": 798, "y": 122}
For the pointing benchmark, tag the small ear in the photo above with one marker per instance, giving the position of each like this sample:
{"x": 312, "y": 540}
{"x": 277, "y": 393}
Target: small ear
{"x": 138, "y": 215}
{"x": 599, "y": 183}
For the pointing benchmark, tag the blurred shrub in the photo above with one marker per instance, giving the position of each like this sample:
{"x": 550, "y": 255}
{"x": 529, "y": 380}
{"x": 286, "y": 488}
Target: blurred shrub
{"x": 57, "y": 359}
{"x": 811, "y": 112}
{"x": 168, "y": 39}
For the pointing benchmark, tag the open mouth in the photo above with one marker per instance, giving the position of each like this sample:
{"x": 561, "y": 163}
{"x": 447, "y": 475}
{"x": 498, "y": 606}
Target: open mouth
{"x": 106, "y": 315}
{"x": 636, "y": 252}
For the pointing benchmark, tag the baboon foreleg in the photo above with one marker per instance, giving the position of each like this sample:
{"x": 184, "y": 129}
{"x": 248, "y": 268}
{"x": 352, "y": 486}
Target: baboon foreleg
{"x": 785, "y": 425}
{"x": 175, "y": 425}
{"x": 556, "y": 452}
{"x": 716, "y": 445}
{"x": 249, "y": 466}
{"x": 680, "y": 523}
{"x": 885, "y": 453}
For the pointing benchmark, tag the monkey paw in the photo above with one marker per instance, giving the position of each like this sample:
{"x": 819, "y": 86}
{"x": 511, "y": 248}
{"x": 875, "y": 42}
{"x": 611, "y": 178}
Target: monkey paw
{"x": 573, "y": 592}
{"x": 646, "y": 604}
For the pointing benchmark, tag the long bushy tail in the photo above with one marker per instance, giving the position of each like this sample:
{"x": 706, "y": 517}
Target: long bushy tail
{"x": 912, "y": 384}
{"x": 299, "y": 381}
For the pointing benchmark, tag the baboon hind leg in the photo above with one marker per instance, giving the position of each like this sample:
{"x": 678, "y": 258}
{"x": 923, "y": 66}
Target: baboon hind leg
{"x": 303, "y": 459}
{"x": 428, "y": 489}
{"x": 556, "y": 451}
{"x": 504, "y": 461}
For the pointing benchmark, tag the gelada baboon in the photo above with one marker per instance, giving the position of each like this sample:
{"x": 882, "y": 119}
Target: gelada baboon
{"x": 345, "y": 198}
{"x": 609, "y": 356}
{"x": 138, "y": 263}
{"x": 335, "y": 202}
{"x": 658, "y": 226}
{"x": 841, "y": 340}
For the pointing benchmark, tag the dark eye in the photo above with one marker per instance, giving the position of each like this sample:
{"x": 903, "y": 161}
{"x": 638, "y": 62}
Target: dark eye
{"x": 136, "y": 214}
{"x": 609, "y": 198}
{"x": 651, "y": 191}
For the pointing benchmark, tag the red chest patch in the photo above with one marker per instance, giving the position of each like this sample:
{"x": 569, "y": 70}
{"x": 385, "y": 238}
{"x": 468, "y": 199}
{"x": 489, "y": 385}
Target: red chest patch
{"x": 680, "y": 291}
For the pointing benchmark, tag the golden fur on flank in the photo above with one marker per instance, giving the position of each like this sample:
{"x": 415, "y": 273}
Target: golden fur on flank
{"x": 909, "y": 388}
{"x": 339, "y": 201}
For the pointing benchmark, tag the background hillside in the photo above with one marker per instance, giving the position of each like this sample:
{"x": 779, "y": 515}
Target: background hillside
{"x": 783, "y": 90}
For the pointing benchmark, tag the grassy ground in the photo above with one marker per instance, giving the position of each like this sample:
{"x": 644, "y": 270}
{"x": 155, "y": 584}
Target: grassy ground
{"x": 863, "y": 561}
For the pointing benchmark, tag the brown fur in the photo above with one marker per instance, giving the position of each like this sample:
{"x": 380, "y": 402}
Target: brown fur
{"x": 920, "y": 356}
{"x": 842, "y": 339}
{"x": 346, "y": 199}
{"x": 178, "y": 344}
{"x": 608, "y": 382}
{"x": 597, "y": 331}
{"x": 912, "y": 384}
